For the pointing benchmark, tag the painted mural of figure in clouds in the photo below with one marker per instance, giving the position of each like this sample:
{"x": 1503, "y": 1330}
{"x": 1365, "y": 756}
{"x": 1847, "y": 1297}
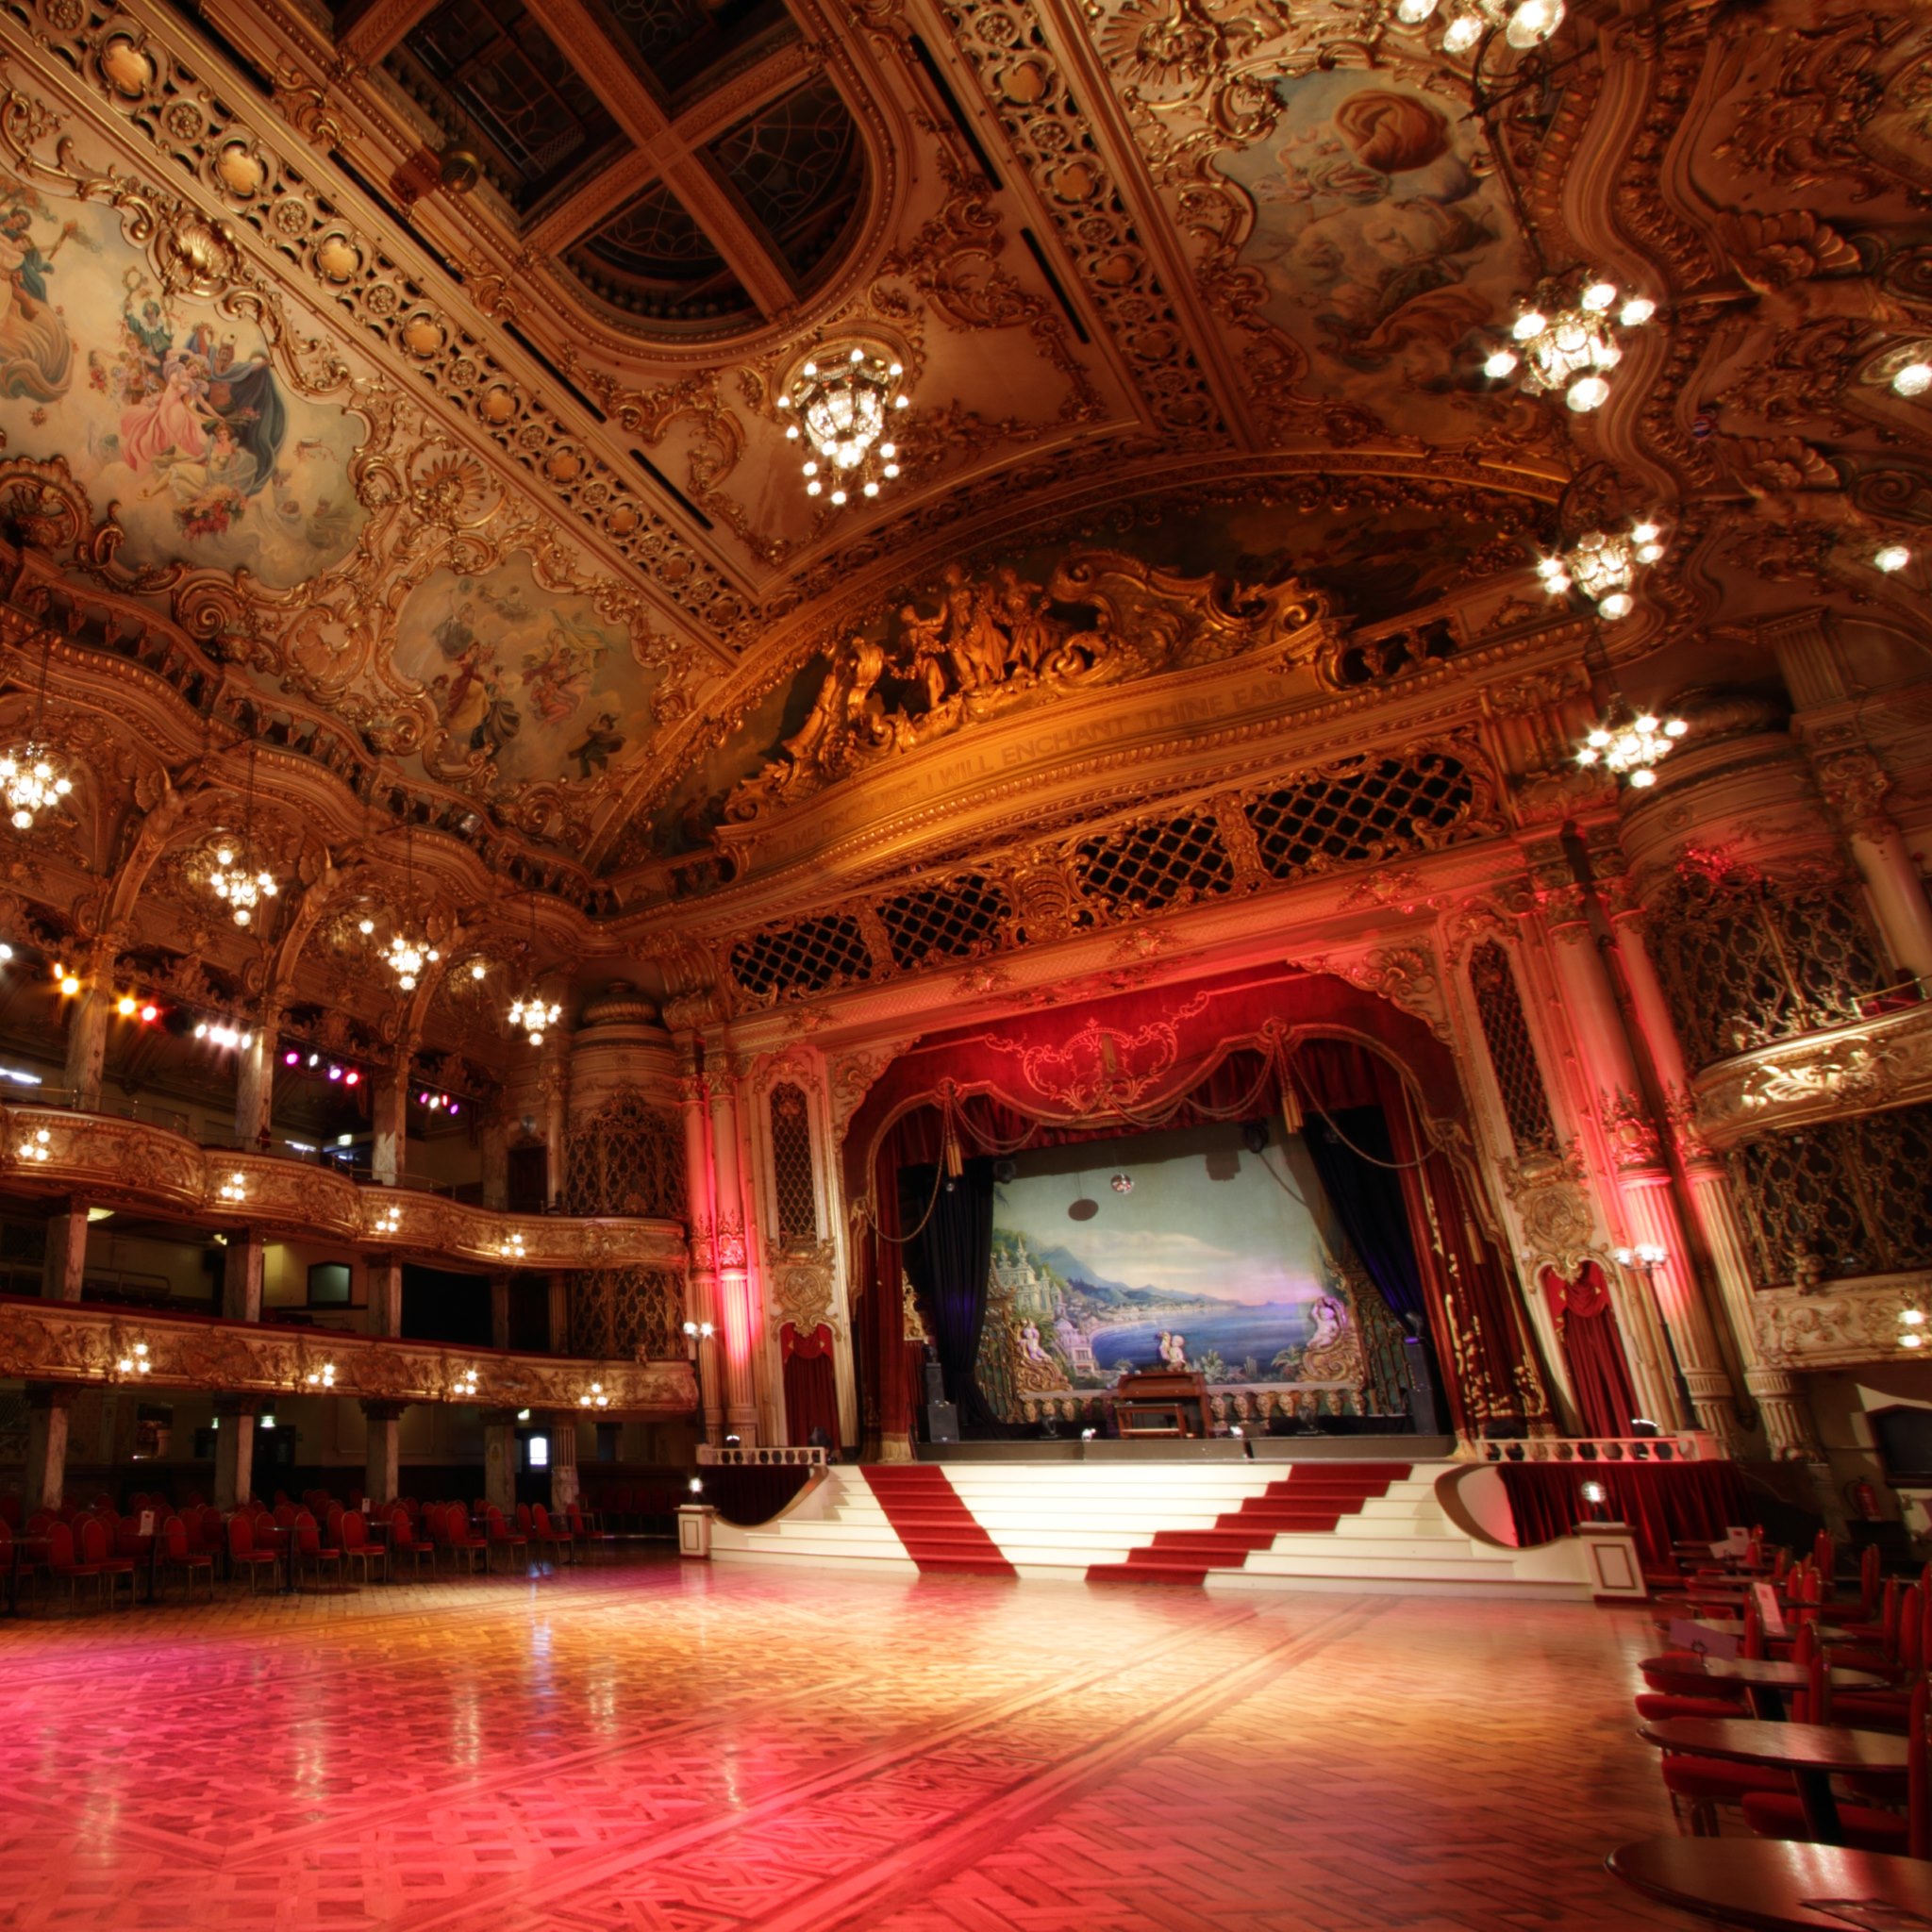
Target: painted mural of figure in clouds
{"x": 599, "y": 745}
{"x": 36, "y": 355}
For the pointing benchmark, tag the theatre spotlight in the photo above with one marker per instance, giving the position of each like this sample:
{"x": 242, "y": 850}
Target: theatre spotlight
{"x": 1253, "y": 1136}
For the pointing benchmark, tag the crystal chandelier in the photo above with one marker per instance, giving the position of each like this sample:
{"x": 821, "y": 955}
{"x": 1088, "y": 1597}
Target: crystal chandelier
{"x": 406, "y": 960}
{"x": 842, "y": 409}
{"x": 1605, "y": 567}
{"x": 31, "y": 780}
{"x": 1569, "y": 349}
{"x": 239, "y": 890}
{"x": 533, "y": 1015}
{"x": 1524, "y": 22}
{"x": 1629, "y": 743}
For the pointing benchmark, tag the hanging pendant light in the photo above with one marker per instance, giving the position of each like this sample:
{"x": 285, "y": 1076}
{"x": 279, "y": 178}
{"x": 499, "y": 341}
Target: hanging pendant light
{"x": 239, "y": 887}
{"x": 1605, "y": 568}
{"x": 532, "y": 1014}
{"x": 1569, "y": 346}
{"x": 404, "y": 956}
{"x": 33, "y": 777}
{"x": 841, "y": 404}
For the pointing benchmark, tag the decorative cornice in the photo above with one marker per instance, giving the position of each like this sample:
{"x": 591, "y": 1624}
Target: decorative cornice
{"x": 60, "y": 1342}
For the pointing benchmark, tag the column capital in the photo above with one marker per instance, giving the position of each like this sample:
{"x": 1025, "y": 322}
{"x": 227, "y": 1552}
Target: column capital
{"x": 52, "y": 1395}
{"x": 381, "y": 1410}
{"x": 249, "y": 1405}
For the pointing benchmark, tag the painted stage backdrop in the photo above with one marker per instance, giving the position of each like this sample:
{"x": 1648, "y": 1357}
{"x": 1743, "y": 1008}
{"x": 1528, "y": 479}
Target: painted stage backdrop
{"x": 1205, "y": 1256}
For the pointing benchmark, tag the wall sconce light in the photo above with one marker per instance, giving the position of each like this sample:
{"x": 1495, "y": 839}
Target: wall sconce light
{"x": 594, "y": 1397}
{"x": 323, "y": 1377}
{"x": 510, "y": 1248}
{"x": 135, "y": 1362}
{"x": 233, "y": 1190}
{"x": 464, "y": 1388}
{"x": 35, "y": 1146}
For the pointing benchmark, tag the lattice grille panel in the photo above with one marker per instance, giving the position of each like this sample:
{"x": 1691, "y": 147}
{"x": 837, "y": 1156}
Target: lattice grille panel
{"x": 810, "y": 957}
{"x": 626, "y": 1158}
{"x": 647, "y": 1314}
{"x": 958, "y": 920}
{"x": 1745, "y": 960}
{"x": 1371, "y": 810}
{"x": 791, "y": 1177}
{"x": 1148, "y": 867}
{"x": 1852, "y": 1194}
{"x": 1512, "y": 1051}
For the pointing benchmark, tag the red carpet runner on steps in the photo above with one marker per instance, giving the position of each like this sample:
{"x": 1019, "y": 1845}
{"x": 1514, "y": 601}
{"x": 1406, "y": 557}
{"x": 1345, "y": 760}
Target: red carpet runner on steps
{"x": 939, "y": 1531}
{"x": 1310, "y": 1501}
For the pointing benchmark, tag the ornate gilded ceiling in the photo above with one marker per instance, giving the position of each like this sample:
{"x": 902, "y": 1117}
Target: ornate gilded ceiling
{"x": 414, "y": 366}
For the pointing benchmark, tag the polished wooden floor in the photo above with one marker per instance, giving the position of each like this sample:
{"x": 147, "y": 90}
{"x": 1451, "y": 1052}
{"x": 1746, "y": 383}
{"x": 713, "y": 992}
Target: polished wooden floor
{"x": 651, "y": 1745}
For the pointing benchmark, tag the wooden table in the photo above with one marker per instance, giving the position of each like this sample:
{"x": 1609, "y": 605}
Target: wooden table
{"x": 1734, "y": 1626}
{"x": 1811, "y": 1753}
{"x": 1775, "y": 1884}
{"x": 1766, "y": 1682}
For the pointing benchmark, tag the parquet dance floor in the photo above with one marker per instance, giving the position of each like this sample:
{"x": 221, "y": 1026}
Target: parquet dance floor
{"x": 651, "y": 1745}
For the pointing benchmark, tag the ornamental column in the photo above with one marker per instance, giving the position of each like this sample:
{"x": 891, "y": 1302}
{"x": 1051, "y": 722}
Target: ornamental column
{"x": 48, "y": 1403}
{"x": 254, "y": 1081}
{"x": 384, "y": 1275}
{"x": 1632, "y": 1150}
{"x": 563, "y": 1459}
{"x": 242, "y": 1276}
{"x": 701, "y": 1285}
{"x": 500, "y": 1459}
{"x": 736, "y": 1326}
{"x": 1855, "y": 786}
{"x": 86, "y": 1022}
{"x": 235, "y": 1449}
{"x": 383, "y": 1467}
{"x": 389, "y": 1117}
{"x": 64, "y": 1269}
{"x": 495, "y": 1143}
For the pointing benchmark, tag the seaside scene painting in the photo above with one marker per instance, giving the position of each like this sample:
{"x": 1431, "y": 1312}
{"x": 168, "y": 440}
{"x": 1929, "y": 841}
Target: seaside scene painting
{"x": 1177, "y": 1249}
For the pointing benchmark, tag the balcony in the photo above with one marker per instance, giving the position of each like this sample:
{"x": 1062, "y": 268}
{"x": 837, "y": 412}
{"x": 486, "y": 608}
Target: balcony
{"x": 115, "y": 1161}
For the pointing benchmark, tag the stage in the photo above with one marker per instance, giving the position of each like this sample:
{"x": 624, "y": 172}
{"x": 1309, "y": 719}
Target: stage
{"x": 1360, "y": 1514}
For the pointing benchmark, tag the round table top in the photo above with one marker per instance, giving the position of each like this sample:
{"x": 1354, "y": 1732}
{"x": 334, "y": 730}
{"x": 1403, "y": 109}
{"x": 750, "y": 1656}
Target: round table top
{"x": 1761, "y": 1670}
{"x": 1778, "y": 1885}
{"x": 1795, "y": 1747}
{"x": 1734, "y": 1626}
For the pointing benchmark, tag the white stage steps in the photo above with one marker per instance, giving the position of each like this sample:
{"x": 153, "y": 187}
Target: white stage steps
{"x": 1055, "y": 1520}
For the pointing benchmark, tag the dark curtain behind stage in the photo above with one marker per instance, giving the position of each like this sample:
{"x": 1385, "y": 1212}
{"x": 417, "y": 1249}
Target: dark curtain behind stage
{"x": 1366, "y": 1193}
{"x": 949, "y": 1258}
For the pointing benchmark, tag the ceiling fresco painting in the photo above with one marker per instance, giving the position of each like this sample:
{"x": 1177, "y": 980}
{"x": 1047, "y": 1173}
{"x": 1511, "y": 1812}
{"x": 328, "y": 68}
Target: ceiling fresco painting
{"x": 527, "y": 683}
{"x": 1385, "y": 248}
{"x": 159, "y": 405}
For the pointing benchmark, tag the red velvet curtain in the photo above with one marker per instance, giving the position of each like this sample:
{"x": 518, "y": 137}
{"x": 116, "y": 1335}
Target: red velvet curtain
{"x": 1173, "y": 1057}
{"x": 1593, "y": 1348}
{"x": 812, "y": 1384}
{"x": 1662, "y": 1502}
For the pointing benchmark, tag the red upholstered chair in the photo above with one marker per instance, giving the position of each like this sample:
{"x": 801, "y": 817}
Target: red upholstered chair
{"x": 405, "y": 1545}
{"x": 1678, "y": 1688}
{"x": 62, "y": 1561}
{"x": 513, "y": 1543}
{"x": 97, "y": 1552}
{"x": 522, "y": 1518}
{"x": 11, "y": 1511}
{"x": 451, "y": 1530}
{"x": 179, "y": 1554}
{"x": 549, "y": 1535}
{"x": 1865, "y": 1827}
{"x": 586, "y": 1536}
{"x": 242, "y": 1554}
{"x": 312, "y": 1550}
{"x": 356, "y": 1548}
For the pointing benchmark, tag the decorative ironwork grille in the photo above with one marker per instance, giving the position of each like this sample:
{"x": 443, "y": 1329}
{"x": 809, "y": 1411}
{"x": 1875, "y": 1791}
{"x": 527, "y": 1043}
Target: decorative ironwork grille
{"x": 955, "y": 920}
{"x": 1746, "y": 959}
{"x": 1844, "y": 1199}
{"x": 1148, "y": 867}
{"x": 625, "y": 1158}
{"x": 628, "y": 1314}
{"x": 1512, "y": 1051}
{"x": 810, "y": 957}
{"x": 1371, "y": 810}
{"x": 791, "y": 1178}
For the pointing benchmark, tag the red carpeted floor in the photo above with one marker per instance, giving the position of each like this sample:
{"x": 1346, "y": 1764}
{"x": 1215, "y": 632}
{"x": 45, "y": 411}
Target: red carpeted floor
{"x": 939, "y": 1531}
